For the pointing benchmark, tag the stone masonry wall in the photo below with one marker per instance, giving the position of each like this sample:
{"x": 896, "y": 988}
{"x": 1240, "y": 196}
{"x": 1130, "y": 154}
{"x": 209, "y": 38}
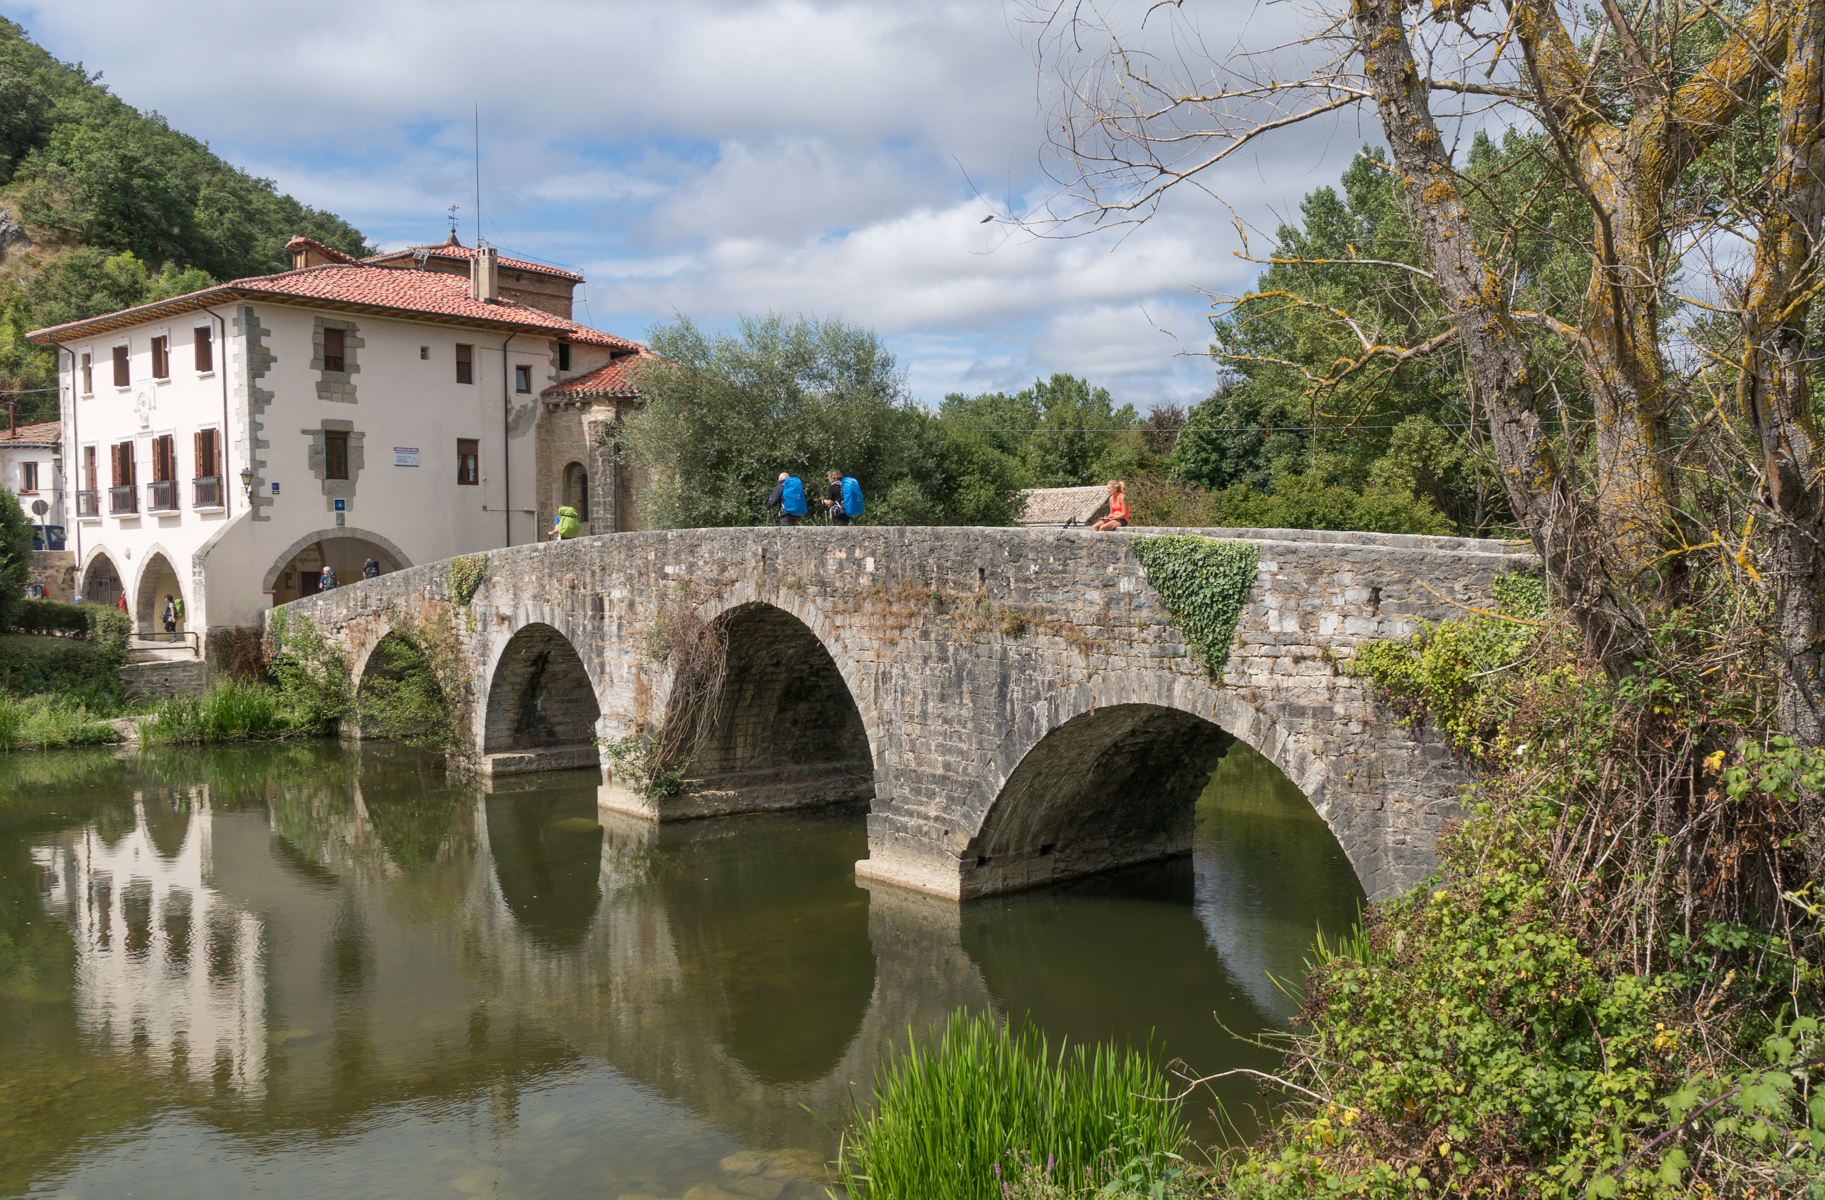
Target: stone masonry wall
{"x": 965, "y": 649}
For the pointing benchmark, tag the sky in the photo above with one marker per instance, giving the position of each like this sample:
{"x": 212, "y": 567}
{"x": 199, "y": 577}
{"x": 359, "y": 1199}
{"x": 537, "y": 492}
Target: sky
{"x": 832, "y": 158}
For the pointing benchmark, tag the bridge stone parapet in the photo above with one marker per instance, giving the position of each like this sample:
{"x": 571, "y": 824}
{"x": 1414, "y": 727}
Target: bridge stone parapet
{"x": 1015, "y": 705}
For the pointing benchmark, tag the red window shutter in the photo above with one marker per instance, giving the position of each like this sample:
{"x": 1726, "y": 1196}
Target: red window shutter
{"x": 114, "y": 465}
{"x": 205, "y": 348}
{"x": 122, "y": 373}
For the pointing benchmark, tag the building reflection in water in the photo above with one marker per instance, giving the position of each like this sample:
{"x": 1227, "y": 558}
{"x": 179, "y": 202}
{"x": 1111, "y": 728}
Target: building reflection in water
{"x": 166, "y": 966}
{"x": 355, "y": 942}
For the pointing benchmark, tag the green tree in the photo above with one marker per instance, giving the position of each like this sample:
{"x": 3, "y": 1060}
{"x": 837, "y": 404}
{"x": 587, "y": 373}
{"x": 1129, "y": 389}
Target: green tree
{"x": 15, "y": 556}
{"x": 725, "y": 413}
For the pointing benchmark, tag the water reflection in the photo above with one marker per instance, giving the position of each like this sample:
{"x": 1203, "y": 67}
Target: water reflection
{"x": 507, "y": 990}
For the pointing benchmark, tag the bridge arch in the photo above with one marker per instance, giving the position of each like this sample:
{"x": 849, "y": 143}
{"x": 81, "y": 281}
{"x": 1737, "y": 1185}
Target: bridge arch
{"x": 798, "y": 724}
{"x": 538, "y": 693}
{"x": 1105, "y": 774}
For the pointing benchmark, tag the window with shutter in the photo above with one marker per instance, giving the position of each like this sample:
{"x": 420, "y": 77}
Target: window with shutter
{"x": 465, "y": 364}
{"x": 204, "y": 341}
{"x": 88, "y": 468}
{"x": 335, "y": 455}
{"x": 114, "y": 466}
{"x": 205, "y": 465}
{"x": 332, "y": 349}
{"x": 28, "y": 477}
{"x": 468, "y": 454}
{"x": 88, "y": 373}
{"x": 164, "y": 459}
{"x": 161, "y": 357}
{"x": 123, "y": 376}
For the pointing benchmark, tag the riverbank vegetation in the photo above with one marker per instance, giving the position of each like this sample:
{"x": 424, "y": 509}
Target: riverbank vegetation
{"x": 1614, "y": 985}
{"x": 982, "y": 1109}
{"x": 59, "y": 663}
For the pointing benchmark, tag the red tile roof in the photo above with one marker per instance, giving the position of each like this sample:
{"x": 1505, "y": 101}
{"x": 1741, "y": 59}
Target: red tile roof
{"x": 385, "y": 291}
{"x": 618, "y": 378}
{"x": 48, "y": 433}
{"x": 454, "y": 249}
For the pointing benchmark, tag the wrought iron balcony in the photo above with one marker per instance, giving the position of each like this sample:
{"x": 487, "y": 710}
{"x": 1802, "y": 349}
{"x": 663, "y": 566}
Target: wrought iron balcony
{"x": 88, "y": 504}
{"x": 206, "y": 492}
{"x": 123, "y": 500}
{"x": 161, "y": 496}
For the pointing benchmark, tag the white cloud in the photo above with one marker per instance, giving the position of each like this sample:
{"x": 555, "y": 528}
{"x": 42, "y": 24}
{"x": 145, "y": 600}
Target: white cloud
{"x": 718, "y": 157}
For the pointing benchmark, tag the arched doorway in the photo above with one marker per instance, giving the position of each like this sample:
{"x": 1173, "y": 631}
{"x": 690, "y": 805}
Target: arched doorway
{"x": 1109, "y": 788}
{"x": 158, "y": 579}
{"x": 576, "y": 490}
{"x": 541, "y": 697}
{"x": 298, "y": 571}
{"x": 101, "y": 583}
{"x": 787, "y": 732}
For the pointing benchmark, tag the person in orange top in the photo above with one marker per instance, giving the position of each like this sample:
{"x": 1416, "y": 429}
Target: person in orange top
{"x": 1118, "y": 509}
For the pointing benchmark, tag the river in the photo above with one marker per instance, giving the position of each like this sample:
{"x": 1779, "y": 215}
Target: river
{"x": 316, "y": 970}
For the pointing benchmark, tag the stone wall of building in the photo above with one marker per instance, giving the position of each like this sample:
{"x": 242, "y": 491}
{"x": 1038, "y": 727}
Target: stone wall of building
{"x": 55, "y": 572}
{"x": 1028, "y": 709}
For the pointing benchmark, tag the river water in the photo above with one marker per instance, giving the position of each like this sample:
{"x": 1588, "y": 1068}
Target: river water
{"x": 313, "y": 970}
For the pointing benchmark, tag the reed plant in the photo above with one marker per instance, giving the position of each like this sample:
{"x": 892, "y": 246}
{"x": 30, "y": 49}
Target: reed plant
{"x": 231, "y": 711}
{"x": 965, "y": 1116}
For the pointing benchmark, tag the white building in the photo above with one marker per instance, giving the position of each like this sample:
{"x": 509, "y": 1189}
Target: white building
{"x": 31, "y": 468}
{"x": 223, "y": 446}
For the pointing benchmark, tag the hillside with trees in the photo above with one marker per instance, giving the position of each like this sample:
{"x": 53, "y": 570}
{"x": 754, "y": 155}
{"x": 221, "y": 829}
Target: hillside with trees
{"x": 103, "y": 206}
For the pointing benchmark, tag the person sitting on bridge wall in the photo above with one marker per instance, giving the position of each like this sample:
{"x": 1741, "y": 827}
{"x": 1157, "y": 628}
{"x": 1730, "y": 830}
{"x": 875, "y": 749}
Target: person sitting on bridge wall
{"x": 1118, "y": 509}
{"x": 567, "y": 525}
{"x": 844, "y": 500}
{"x": 789, "y": 497}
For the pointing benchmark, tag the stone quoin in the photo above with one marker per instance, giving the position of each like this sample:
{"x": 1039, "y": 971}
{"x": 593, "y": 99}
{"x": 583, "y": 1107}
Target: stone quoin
{"x": 1016, "y": 706}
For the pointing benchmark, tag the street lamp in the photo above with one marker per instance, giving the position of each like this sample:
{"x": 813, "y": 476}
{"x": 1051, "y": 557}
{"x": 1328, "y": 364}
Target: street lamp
{"x": 247, "y": 482}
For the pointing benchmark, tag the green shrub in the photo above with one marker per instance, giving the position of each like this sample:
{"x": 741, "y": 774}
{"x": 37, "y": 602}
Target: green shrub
{"x": 51, "y": 616}
{"x": 82, "y": 670}
{"x": 1448, "y": 669}
{"x": 15, "y": 556}
{"x": 312, "y": 676}
{"x": 402, "y": 696}
{"x": 953, "y": 1118}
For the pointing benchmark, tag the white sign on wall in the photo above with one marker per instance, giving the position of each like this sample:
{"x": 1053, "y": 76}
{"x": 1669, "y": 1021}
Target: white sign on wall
{"x": 405, "y": 456}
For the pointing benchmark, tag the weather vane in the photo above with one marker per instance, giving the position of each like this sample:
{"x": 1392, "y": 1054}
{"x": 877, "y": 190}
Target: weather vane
{"x": 453, "y": 220}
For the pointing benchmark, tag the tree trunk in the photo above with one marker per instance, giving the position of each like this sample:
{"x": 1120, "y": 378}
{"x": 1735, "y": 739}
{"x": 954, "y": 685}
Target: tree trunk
{"x": 1540, "y": 488}
{"x": 1775, "y": 393}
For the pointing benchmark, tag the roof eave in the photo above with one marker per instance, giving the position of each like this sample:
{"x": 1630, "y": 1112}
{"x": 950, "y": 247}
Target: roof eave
{"x": 127, "y": 317}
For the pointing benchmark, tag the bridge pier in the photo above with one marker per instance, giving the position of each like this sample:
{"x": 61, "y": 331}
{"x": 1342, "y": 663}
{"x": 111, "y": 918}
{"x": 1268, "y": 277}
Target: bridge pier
{"x": 1015, "y": 706}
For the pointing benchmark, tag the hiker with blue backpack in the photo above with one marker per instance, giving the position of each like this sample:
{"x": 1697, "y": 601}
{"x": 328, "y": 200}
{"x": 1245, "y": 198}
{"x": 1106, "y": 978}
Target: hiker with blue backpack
{"x": 844, "y": 500}
{"x": 789, "y": 497}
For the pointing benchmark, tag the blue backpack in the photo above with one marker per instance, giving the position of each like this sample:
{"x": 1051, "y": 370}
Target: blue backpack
{"x": 792, "y": 500}
{"x": 852, "y": 497}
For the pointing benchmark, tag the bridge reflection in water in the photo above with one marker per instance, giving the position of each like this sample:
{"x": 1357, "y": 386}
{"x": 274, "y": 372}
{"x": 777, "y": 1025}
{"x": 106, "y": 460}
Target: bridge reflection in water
{"x": 396, "y": 950}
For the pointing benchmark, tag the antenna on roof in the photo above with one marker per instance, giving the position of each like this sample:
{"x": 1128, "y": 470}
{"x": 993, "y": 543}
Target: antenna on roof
{"x": 478, "y": 173}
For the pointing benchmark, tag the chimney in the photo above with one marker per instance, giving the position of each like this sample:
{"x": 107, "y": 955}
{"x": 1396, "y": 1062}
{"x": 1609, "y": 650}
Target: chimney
{"x": 485, "y": 276}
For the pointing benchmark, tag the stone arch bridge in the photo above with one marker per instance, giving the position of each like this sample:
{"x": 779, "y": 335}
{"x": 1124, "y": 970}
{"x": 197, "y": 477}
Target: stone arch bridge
{"x": 1015, "y": 705}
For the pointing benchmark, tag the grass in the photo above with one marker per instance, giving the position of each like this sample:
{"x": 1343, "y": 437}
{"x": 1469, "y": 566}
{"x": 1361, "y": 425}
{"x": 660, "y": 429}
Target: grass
{"x": 50, "y": 722}
{"x": 231, "y": 711}
{"x": 958, "y": 1119}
